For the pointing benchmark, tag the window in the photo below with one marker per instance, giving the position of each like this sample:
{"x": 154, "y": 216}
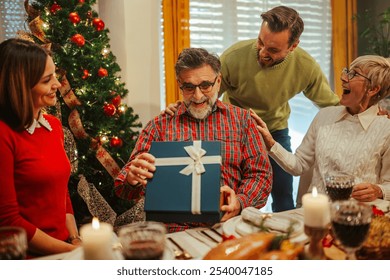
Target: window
{"x": 217, "y": 24}
{"x": 12, "y": 18}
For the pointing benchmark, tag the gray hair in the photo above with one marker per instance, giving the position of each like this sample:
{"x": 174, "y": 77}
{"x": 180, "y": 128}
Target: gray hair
{"x": 192, "y": 58}
{"x": 377, "y": 69}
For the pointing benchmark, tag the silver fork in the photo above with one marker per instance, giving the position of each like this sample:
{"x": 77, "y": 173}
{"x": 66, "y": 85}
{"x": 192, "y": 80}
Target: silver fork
{"x": 180, "y": 253}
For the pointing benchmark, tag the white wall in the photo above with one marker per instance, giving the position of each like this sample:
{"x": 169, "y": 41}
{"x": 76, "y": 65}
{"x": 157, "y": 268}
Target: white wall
{"x": 134, "y": 27}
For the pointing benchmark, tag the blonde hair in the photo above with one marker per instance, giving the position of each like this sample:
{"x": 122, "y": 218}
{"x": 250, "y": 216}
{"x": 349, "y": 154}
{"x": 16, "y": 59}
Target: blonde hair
{"x": 377, "y": 69}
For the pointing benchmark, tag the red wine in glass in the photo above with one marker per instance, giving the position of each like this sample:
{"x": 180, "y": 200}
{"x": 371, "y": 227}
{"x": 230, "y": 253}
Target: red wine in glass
{"x": 350, "y": 223}
{"x": 339, "y": 187}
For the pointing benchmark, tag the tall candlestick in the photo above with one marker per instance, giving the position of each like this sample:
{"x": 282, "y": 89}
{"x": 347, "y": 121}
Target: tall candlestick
{"x": 97, "y": 240}
{"x": 316, "y": 213}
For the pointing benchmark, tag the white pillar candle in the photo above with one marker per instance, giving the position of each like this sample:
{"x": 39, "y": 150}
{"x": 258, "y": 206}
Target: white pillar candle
{"x": 97, "y": 240}
{"x": 316, "y": 209}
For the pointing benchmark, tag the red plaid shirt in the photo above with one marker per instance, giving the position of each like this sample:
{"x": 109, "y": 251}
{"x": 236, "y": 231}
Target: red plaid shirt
{"x": 245, "y": 164}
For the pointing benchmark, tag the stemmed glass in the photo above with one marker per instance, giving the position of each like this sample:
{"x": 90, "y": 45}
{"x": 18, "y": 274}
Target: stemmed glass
{"x": 350, "y": 223}
{"x": 339, "y": 187}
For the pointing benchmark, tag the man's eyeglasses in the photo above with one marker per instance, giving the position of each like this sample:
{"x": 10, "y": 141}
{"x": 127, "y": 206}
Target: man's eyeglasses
{"x": 205, "y": 87}
{"x": 352, "y": 73}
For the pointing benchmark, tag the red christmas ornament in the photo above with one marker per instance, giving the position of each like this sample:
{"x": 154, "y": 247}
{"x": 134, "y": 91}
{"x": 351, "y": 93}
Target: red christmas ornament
{"x": 109, "y": 110}
{"x": 116, "y": 142}
{"x": 74, "y": 18}
{"x": 81, "y": 1}
{"x": 85, "y": 74}
{"x": 78, "y": 39}
{"x": 55, "y": 8}
{"x": 102, "y": 72}
{"x": 116, "y": 100}
{"x": 98, "y": 23}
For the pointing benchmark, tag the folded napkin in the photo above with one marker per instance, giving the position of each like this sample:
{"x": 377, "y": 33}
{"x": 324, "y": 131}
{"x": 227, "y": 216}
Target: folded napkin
{"x": 272, "y": 221}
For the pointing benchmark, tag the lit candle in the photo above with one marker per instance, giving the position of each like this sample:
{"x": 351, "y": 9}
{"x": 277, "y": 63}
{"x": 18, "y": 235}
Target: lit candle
{"x": 316, "y": 209}
{"x": 97, "y": 240}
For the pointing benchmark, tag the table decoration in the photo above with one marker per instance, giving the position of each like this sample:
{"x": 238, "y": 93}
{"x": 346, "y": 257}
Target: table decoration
{"x": 377, "y": 244}
{"x": 97, "y": 240}
{"x": 316, "y": 221}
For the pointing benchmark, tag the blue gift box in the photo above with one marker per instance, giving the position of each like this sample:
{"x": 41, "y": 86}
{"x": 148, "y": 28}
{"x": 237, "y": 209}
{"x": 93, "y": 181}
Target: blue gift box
{"x": 186, "y": 184}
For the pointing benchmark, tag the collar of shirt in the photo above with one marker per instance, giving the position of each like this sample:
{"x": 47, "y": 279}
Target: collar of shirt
{"x": 38, "y": 123}
{"x": 218, "y": 105}
{"x": 365, "y": 118}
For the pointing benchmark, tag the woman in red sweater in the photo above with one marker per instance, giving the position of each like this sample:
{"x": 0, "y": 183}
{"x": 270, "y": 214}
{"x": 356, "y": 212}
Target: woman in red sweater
{"x": 34, "y": 168}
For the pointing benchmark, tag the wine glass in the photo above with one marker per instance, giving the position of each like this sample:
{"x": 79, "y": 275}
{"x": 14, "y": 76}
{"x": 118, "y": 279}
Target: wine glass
{"x": 339, "y": 187}
{"x": 13, "y": 243}
{"x": 350, "y": 224}
{"x": 143, "y": 240}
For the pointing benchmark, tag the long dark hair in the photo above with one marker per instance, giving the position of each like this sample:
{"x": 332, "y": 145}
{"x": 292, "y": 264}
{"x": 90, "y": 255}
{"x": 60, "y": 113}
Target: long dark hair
{"x": 22, "y": 64}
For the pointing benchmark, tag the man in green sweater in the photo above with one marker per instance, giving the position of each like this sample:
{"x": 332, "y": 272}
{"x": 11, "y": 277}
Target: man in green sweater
{"x": 265, "y": 73}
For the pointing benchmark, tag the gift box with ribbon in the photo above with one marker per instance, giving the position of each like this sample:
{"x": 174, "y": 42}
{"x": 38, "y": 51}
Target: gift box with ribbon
{"x": 186, "y": 184}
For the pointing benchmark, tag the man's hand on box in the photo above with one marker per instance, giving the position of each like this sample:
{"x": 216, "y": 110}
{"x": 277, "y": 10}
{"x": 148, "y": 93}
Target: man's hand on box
{"x": 231, "y": 205}
{"x": 141, "y": 168}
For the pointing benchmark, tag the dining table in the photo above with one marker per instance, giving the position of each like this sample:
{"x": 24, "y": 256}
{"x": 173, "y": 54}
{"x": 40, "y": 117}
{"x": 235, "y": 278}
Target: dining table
{"x": 197, "y": 242}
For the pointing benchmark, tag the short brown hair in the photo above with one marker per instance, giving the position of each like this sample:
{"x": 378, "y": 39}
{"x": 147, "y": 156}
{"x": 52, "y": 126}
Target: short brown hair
{"x": 22, "y": 64}
{"x": 282, "y": 18}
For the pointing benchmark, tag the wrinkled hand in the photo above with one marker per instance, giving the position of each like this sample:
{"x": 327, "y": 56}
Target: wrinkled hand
{"x": 366, "y": 192}
{"x": 233, "y": 206}
{"x": 171, "y": 108}
{"x": 141, "y": 168}
{"x": 262, "y": 127}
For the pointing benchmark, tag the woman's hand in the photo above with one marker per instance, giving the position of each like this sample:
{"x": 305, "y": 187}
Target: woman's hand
{"x": 366, "y": 192}
{"x": 262, "y": 127}
{"x": 233, "y": 206}
{"x": 141, "y": 168}
{"x": 171, "y": 108}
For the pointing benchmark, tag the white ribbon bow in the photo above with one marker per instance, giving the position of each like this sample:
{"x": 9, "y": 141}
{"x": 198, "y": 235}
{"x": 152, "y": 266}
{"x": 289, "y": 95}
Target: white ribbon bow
{"x": 195, "y": 166}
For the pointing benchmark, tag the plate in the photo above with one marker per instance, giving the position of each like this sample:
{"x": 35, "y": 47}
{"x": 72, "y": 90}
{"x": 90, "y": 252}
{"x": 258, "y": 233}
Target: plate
{"x": 237, "y": 227}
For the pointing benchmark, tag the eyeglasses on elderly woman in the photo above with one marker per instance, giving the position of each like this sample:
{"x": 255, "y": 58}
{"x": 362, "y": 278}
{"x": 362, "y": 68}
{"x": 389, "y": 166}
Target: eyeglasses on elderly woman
{"x": 352, "y": 73}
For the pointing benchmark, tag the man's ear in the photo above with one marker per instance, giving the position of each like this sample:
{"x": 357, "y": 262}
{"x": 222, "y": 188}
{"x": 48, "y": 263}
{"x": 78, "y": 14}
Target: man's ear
{"x": 293, "y": 46}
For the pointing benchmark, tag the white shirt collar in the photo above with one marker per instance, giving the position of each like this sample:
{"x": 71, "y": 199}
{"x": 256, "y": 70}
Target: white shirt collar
{"x": 38, "y": 123}
{"x": 365, "y": 118}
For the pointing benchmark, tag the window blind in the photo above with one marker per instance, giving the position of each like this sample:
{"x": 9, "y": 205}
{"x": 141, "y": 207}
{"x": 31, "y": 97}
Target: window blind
{"x": 12, "y": 18}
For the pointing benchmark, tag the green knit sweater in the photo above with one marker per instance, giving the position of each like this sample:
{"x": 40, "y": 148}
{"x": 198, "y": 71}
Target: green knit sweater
{"x": 267, "y": 90}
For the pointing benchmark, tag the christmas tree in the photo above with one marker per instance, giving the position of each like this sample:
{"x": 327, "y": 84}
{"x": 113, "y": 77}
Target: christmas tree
{"x": 90, "y": 100}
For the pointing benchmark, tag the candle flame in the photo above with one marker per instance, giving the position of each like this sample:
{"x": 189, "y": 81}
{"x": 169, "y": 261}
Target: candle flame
{"x": 314, "y": 192}
{"x": 95, "y": 223}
